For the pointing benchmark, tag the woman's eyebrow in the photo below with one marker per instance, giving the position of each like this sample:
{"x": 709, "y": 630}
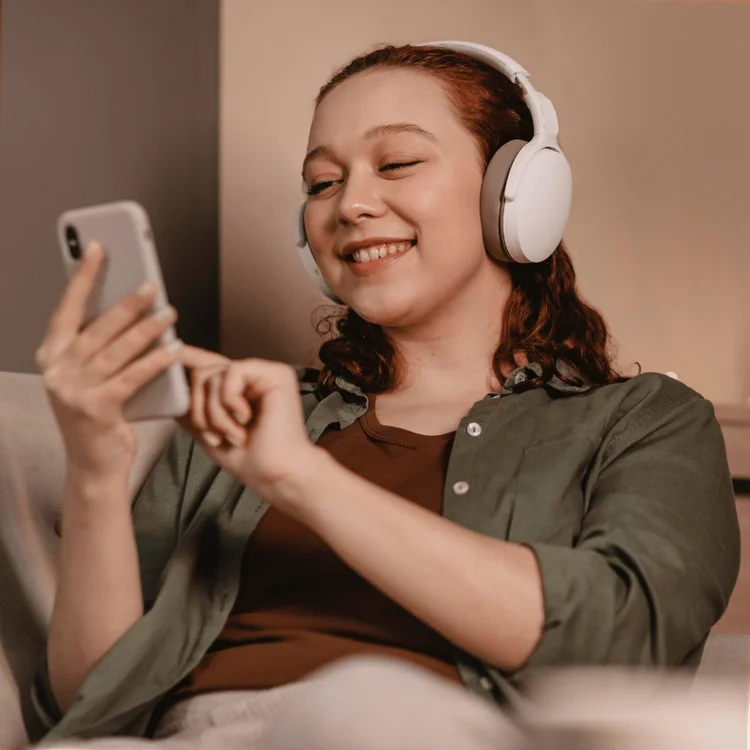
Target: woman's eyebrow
{"x": 373, "y": 132}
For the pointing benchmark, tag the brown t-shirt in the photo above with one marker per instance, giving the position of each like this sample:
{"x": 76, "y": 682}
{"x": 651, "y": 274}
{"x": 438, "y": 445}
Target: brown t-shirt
{"x": 300, "y": 606}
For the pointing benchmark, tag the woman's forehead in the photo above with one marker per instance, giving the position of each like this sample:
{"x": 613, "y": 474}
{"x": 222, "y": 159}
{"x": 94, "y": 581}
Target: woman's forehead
{"x": 382, "y": 96}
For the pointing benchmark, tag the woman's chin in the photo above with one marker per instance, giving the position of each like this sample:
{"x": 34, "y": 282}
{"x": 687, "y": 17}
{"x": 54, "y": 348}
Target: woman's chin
{"x": 381, "y": 306}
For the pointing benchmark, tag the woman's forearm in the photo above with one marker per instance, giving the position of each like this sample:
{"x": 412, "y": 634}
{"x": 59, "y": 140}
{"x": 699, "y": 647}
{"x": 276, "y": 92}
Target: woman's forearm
{"x": 483, "y": 594}
{"x": 98, "y": 593}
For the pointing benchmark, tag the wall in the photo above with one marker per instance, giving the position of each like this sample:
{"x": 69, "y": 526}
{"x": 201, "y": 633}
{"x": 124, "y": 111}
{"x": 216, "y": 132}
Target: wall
{"x": 653, "y": 110}
{"x": 104, "y": 101}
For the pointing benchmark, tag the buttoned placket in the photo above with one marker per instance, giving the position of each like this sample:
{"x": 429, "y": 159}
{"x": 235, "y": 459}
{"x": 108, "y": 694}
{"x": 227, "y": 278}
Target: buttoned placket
{"x": 474, "y": 429}
{"x": 461, "y": 487}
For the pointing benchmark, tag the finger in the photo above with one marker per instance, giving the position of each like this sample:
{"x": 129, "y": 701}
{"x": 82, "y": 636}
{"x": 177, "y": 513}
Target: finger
{"x": 207, "y": 438}
{"x": 198, "y": 397}
{"x": 108, "y": 327}
{"x": 218, "y": 418}
{"x": 130, "y": 380}
{"x": 66, "y": 320}
{"x": 266, "y": 379}
{"x": 194, "y": 357}
{"x": 133, "y": 343}
{"x": 233, "y": 388}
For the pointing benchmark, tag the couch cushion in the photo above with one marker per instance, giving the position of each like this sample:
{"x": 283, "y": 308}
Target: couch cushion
{"x": 32, "y": 469}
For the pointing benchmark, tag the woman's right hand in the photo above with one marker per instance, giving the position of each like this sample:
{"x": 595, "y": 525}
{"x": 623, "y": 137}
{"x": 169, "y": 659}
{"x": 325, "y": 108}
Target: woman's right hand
{"x": 90, "y": 373}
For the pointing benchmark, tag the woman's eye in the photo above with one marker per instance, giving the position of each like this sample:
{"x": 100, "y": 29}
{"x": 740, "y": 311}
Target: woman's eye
{"x": 315, "y": 189}
{"x": 396, "y": 165}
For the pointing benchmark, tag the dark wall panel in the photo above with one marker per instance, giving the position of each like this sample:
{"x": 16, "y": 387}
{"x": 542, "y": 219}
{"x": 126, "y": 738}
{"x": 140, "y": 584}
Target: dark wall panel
{"x": 102, "y": 101}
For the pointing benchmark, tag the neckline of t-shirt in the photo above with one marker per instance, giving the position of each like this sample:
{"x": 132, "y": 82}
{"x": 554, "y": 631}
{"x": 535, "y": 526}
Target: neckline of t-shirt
{"x": 397, "y": 435}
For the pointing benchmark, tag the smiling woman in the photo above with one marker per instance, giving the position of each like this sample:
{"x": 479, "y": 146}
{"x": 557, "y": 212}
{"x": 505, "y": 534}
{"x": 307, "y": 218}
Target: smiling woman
{"x": 465, "y": 494}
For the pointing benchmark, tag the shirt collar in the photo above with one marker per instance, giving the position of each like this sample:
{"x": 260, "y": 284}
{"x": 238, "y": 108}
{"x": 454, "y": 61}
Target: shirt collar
{"x": 514, "y": 383}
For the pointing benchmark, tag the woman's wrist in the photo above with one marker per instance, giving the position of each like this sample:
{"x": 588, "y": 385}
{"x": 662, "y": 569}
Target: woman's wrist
{"x": 93, "y": 486}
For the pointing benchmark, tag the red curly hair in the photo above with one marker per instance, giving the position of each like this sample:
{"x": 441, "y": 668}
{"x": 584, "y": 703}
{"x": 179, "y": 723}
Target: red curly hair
{"x": 545, "y": 318}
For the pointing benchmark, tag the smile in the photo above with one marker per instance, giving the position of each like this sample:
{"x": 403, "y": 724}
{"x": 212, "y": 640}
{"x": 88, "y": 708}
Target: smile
{"x": 362, "y": 262}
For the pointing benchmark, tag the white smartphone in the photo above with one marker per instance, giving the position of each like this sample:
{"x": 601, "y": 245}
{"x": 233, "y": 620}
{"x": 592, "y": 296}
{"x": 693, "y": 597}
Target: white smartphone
{"x": 124, "y": 230}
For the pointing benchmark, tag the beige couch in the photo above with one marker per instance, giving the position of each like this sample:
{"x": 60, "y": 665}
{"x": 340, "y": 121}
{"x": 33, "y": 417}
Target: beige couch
{"x": 31, "y": 475}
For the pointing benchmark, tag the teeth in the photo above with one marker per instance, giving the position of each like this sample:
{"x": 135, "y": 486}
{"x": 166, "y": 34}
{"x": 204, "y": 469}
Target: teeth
{"x": 365, "y": 255}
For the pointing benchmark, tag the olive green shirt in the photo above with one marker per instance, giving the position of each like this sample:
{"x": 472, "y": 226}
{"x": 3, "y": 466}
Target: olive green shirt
{"x": 623, "y": 492}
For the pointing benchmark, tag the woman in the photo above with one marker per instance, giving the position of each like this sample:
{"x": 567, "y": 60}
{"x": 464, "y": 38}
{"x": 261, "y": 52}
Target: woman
{"x": 465, "y": 492}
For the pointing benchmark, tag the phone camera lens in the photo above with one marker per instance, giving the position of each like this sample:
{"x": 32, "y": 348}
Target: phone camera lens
{"x": 74, "y": 244}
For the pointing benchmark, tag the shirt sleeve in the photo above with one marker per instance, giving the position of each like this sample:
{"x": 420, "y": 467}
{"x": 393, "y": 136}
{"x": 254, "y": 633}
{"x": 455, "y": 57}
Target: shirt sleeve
{"x": 43, "y": 712}
{"x": 158, "y": 508}
{"x": 659, "y": 550}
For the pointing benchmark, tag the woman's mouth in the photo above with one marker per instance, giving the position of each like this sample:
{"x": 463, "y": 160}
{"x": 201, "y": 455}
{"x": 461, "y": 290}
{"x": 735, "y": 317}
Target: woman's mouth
{"x": 362, "y": 262}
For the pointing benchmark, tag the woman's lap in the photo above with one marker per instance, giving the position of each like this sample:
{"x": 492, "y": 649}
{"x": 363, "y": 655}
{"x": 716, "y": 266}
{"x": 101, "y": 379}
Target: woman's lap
{"x": 368, "y": 702}
{"x": 357, "y": 702}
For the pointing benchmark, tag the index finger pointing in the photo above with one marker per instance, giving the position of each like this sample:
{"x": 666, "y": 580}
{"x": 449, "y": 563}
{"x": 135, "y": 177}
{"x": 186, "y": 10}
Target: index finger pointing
{"x": 194, "y": 356}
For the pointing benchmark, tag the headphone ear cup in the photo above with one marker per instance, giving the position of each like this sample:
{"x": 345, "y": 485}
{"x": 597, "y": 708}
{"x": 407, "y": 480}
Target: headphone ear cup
{"x": 493, "y": 198}
{"x": 307, "y": 258}
{"x": 533, "y": 223}
{"x": 300, "y": 235}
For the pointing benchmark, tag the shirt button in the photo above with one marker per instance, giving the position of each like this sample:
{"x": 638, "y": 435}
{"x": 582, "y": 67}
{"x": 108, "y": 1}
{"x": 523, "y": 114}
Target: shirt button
{"x": 486, "y": 683}
{"x": 520, "y": 378}
{"x": 474, "y": 429}
{"x": 461, "y": 488}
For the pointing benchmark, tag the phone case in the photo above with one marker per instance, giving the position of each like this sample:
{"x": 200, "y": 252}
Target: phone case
{"x": 124, "y": 230}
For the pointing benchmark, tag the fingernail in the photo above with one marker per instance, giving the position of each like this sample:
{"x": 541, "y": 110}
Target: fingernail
{"x": 166, "y": 313}
{"x": 174, "y": 346}
{"x": 93, "y": 249}
{"x": 240, "y": 418}
{"x": 146, "y": 289}
{"x": 211, "y": 439}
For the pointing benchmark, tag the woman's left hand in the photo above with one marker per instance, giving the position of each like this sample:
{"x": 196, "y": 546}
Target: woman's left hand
{"x": 255, "y": 409}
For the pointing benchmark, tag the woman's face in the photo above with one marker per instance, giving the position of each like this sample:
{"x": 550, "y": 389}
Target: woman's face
{"x": 361, "y": 195}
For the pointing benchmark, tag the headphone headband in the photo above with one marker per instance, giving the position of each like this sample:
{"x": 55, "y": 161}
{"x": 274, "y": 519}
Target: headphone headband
{"x": 542, "y": 112}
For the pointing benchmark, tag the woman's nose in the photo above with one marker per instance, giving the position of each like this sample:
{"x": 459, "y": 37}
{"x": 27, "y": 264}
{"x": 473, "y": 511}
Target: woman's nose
{"x": 358, "y": 199}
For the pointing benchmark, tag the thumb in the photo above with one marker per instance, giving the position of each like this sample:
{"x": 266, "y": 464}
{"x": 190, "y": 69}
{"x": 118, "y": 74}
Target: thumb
{"x": 194, "y": 356}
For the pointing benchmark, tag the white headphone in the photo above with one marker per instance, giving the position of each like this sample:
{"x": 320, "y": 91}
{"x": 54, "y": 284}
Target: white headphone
{"x": 527, "y": 186}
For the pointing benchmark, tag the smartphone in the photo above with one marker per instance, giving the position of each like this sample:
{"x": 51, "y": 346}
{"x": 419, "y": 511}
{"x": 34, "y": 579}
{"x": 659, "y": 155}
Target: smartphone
{"x": 124, "y": 231}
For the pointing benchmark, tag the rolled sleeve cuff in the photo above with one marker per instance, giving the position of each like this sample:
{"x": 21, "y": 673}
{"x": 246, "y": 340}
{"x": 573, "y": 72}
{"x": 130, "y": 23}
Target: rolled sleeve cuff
{"x": 579, "y": 602}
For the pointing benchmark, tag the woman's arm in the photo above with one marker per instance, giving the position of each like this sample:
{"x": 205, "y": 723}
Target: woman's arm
{"x": 98, "y": 593}
{"x": 652, "y": 571}
{"x": 480, "y": 593}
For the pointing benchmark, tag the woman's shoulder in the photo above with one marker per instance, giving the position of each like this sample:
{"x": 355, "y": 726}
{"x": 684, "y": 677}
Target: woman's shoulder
{"x": 654, "y": 403}
{"x": 649, "y": 392}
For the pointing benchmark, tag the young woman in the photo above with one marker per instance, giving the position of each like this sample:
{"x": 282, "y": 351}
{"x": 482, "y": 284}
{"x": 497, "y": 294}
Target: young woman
{"x": 378, "y": 553}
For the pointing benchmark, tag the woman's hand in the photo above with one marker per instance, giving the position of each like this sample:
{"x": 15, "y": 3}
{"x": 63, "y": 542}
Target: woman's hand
{"x": 89, "y": 373}
{"x": 247, "y": 416}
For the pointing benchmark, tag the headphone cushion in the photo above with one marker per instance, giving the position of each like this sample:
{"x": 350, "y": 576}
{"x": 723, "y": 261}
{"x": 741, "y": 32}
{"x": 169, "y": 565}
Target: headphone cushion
{"x": 491, "y": 200}
{"x": 305, "y": 253}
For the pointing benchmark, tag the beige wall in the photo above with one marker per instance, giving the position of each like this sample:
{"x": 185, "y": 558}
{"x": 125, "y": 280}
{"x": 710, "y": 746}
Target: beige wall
{"x": 653, "y": 106}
